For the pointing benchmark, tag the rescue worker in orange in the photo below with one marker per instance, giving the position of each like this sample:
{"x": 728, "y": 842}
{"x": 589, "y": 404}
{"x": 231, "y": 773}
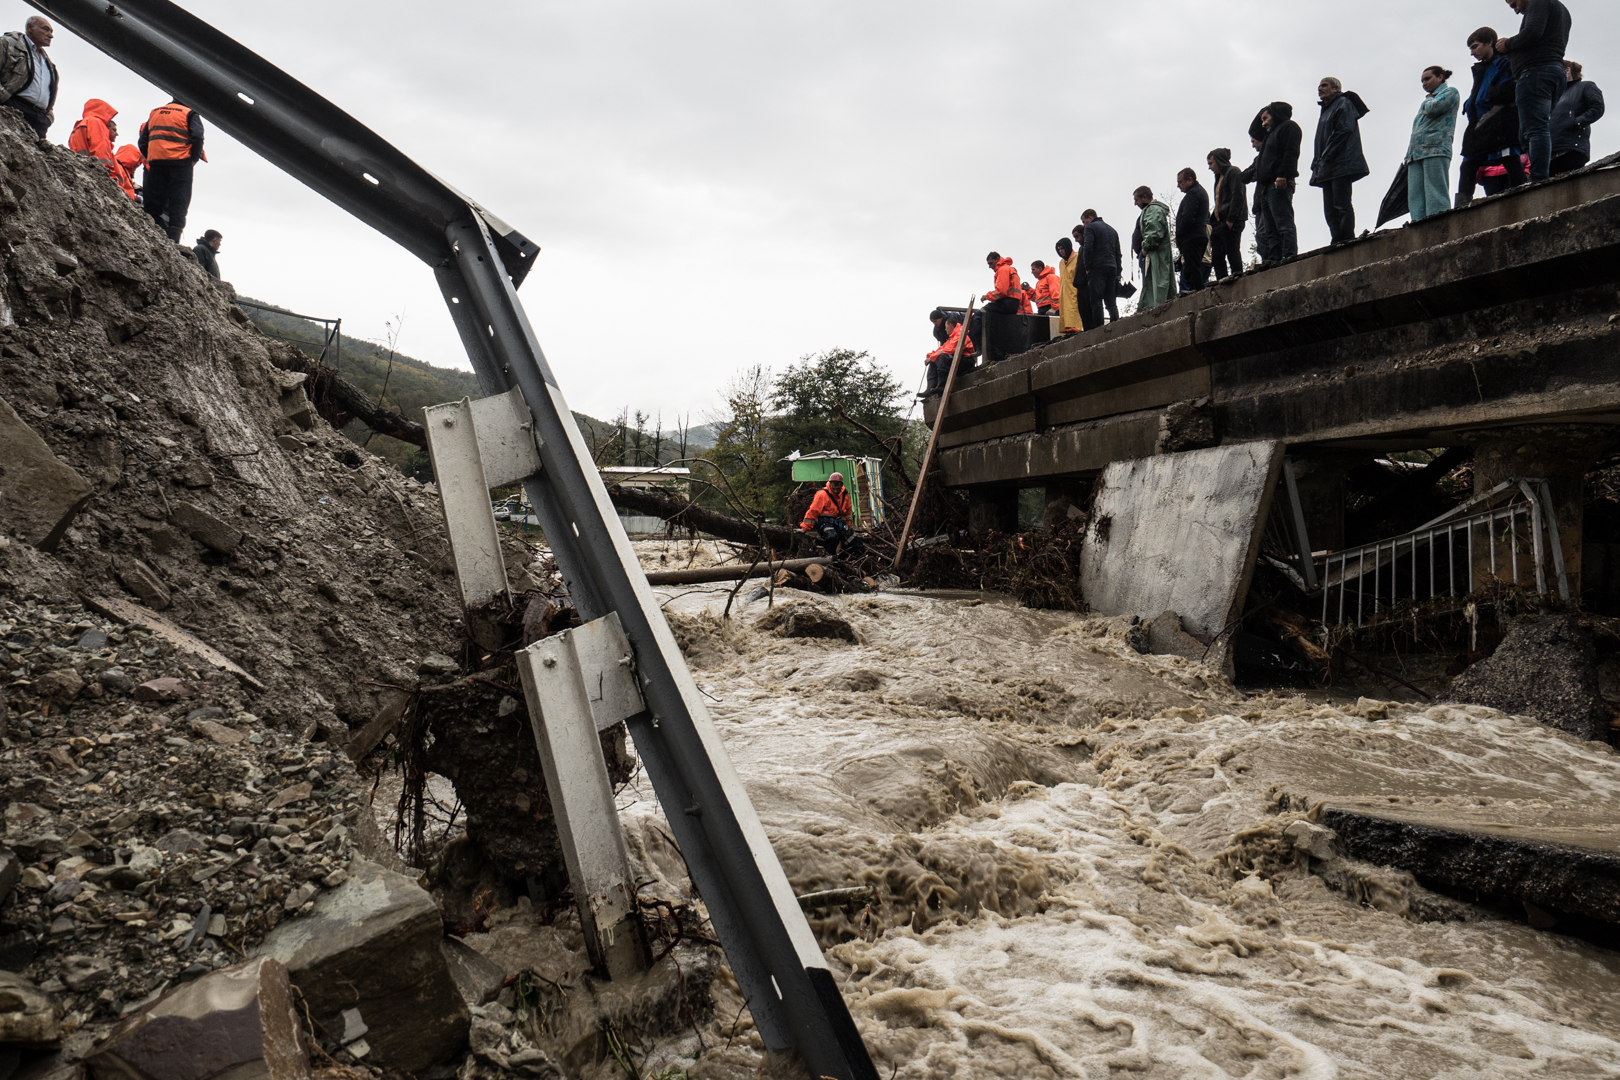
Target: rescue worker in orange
{"x": 939, "y": 361}
{"x": 830, "y": 515}
{"x": 172, "y": 143}
{"x": 1048, "y": 287}
{"x": 94, "y": 134}
{"x": 1029, "y": 299}
{"x": 129, "y": 159}
{"x": 1006, "y": 298}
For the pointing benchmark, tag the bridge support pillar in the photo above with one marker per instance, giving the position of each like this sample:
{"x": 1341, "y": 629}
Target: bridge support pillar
{"x": 1561, "y": 454}
{"x": 993, "y": 510}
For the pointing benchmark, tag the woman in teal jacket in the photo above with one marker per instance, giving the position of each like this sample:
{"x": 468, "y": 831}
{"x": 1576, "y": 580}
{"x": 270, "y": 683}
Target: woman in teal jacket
{"x": 1428, "y": 157}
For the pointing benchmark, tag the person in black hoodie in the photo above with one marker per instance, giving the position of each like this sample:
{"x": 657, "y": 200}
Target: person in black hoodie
{"x": 1492, "y": 134}
{"x": 1580, "y": 106}
{"x": 1339, "y": 162}
{"x": 1228, "y": 215}
{"x": 1537, "y": 55}
{"x": 1192, "y": 231}
{"x": 1275, "y": 173}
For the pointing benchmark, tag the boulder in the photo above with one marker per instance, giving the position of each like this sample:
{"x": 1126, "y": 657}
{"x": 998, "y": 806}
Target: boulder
{"x": 143, "y": 581}
{"x": 238, "y": 1022}
{"x": 28, "y": 1015}
{"x": 39, "y": 495}
{"x": 477, "y": 976}
{"x": 805, "y": 619}
{"x": 60, "y": 686}
{"x": 164, "y": 689}
{"x": 205, "y": 528}
{"x": 1165, "y": 637}
{"x": 373, "y": 944}
{"x": 1545, "y": 669}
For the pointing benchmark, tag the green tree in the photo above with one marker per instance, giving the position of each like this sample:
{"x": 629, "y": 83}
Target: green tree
{"x": 823, "y": 401}
{"x": 742, "y": 453}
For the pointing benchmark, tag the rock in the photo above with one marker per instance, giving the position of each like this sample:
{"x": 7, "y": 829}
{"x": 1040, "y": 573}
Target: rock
{"x": 39, "y": 495}
{"x": 60, "y": 686}
{"x": 478, "y": 978}
{"x": 10, "y": 872}
{"x": 298, "y": 897}
{"x": 218, "y": 733}
{"x": 163, "y": 690}
{"x": 1545, "y": 669}
{"x": 63, "y": 891}
{"x": 84, "y": 973}
{"x": 28, "y": 1015}
{"x": 289, "y": 444}
{"x": 146, "y": 861}
{"x": 34, "y": 878}
{"x": 1165, "y": 637}
{"x": 194, "y": 475}
{"x": 289, "y": 795}
{"x": 373, "y": 944}
{"x": 179, "y": 841}
{"x": 91, "y": 639}
{"x": 207, "y": 712}
{"x": 143, "y": 581}
{"x": 437, "y": 664}
{"x": 117, "y": 680}
{"x": 804, "y": 619}
{"x": 238, "y": 1022}
{"x": 1314, "y": 840}
{"x": 205, "y": 528}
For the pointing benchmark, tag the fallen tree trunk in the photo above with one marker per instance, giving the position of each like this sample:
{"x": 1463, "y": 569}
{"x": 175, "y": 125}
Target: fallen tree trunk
{"x": 339, "y": 401}
{"x": 727, "y": 573}
{"x": 686, "y": 515}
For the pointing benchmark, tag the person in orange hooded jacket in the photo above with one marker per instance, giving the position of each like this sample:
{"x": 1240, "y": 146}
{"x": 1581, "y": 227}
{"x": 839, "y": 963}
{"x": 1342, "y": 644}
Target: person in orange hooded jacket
{"x": 1029, "y": 298}
{"x": 939, "y": 361}
{"x": 1048, "y": 287}
{"x": 129, "y": 159}
{"x": 1007, "y": 298}
{"x": 93, "y": 134}
{"x": 830, "y": 515}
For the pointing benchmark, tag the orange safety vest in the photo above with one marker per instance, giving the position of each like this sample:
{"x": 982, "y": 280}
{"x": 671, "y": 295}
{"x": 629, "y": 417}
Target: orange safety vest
{"x": 826, "y": 504}
{"x": 168, "y": 134}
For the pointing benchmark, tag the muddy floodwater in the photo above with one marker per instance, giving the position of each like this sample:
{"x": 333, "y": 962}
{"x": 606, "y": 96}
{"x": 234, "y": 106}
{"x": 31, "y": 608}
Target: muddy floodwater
{"x": 1080, "y": 858}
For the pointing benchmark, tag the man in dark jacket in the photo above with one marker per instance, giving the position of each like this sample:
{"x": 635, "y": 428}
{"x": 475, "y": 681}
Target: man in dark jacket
{"x": 1339, "y": 162}
{"x": 28, "y": 78}
{"x": 1537, "y": 55}
{"x": 1579, "y": 107}
{"x": 1492, "y": 134}
{"x": 1099, "y": 262}
{"x": 1228, "y": 214}
{"x": 206, "y": 251}
{"x": 1275, "y": 173}
{"x": 1192, "y": 231}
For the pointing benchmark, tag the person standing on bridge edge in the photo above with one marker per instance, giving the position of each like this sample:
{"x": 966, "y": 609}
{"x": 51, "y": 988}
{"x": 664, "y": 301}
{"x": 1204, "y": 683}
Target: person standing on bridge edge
{"x": 1069, "y": 292}
{"x": 1537, "y": 55}
{"x": 1005, "y": 298}
{"x": 1100, "y": 260}
{"x": 28, "y": 79}
{"x": 1047, "y": 296}
{"x": 1158, "y": 276}
{"x": 1275, "y": 174}
{"x": 1192, "y": 231}
{"x": 1228, "y": 215}
{"x": 1579, "y": 107}
{"x": 830, "y": 515}
{"x": 1428, "y": 154}
{"x": 1339, "y": 162}
{"x": 207, "y": 247}
{"x": 1492, "y": 134}
{"x": 1263, "y": 241}
{"x": 172, "y": 142}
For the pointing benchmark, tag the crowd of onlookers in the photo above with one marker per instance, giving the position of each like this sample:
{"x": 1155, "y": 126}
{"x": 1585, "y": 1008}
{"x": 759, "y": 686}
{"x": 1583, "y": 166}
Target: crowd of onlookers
{"x": 1529, "y": 116}
{"x": 166, "y": 151}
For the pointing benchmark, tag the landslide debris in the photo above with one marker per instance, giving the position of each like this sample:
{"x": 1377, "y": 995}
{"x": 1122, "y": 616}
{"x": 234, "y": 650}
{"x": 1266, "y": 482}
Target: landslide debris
{"x": 1544, "y": 668}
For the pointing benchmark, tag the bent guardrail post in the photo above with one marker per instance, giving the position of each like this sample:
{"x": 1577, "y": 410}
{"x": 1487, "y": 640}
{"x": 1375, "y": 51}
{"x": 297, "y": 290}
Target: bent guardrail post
{"x": 479, "y": 262}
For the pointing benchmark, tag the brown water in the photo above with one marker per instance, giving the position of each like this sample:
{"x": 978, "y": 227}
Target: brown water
{"x": 1062, "y": 832}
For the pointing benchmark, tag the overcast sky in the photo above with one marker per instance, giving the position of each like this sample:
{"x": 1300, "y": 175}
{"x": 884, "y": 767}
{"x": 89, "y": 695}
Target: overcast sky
{"x": 718, "y": 185}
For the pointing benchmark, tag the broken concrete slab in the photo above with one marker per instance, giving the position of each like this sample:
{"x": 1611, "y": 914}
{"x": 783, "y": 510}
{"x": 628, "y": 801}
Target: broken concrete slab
{"x": 373, "y": 944}
{"x": 205, "y": 528}
{"x": 1179, "y": 532}
{"x": 1165, "y": 637}
{"x": 39, "y": 494}
{"x": 134, "y": 615}
{"x": 238, "y": 1022}
{"x": 28, "y": 1015}
{"x": 144, "y": 582}
{"x": 1545, "y": 669}
{"x": 1561, "y": 860}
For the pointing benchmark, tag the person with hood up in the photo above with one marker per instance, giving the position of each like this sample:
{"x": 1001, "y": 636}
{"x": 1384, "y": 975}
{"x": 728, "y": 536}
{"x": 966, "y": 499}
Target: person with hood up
{"x": 28, "y": 78}
{"x": 939, "y": 361}
{"x": 1192, "y": 231}
{"x": 1069, "y": 320}
{"x": 1428, "y": 154}
{"x": 1579, "y": 107}
{"x": 830, "y": 515}
{"x": 1537, "y": 55}
{"x": 1028, "y": 307}
{"x": 93, "y": 135}
{"x": 1158, "y": 275}
{"x": 1492, "y": 134}
{"x": 1228, "y": 214}
{"x": 1047, "y": 297}
{"x": 1339, "y": 162}
{"x": 129, "y": 159}
{"x": 1275, "y": 174}
{"x": 1100, "y": 262}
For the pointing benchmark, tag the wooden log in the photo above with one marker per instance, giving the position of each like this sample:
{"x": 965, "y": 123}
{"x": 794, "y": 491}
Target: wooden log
{"x": 338, "y": 400}
{"x": 687, "y": 515}
{"x": 729, "y": 573}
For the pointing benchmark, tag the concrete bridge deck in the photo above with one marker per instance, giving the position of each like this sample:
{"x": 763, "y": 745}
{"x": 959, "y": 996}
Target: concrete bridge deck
{"x": 1452, "y": 331}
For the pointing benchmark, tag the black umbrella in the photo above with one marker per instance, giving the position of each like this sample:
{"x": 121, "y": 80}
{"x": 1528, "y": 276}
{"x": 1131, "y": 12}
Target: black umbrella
{"x": 1394, "y": 204}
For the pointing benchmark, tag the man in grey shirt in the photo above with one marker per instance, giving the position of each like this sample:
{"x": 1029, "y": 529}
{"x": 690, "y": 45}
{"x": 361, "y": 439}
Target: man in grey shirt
{"x": 28, "y": 79}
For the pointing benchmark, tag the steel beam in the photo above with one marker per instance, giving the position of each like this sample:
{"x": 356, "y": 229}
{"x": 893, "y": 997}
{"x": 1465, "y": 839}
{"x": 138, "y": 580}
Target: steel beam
{"x": 479, "y": 262}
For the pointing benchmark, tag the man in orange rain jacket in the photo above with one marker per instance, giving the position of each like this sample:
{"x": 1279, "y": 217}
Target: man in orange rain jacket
{"x": 1008, "y": 294}
{"x": 1029, "y": 299}
{"x": 939, "y": 361}
{"x": 129, "y": 159}
{"x": 829, "y": 516}
{"x": 1048, "y": 287}
{"x": 93, "y": 134}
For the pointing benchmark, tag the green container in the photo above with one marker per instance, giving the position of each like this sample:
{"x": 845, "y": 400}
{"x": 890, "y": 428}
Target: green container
{"x": 863, "y": 479}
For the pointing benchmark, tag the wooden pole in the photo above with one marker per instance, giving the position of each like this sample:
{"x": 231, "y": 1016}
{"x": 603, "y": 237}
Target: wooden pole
{"x": 729, "y": 573}
{"x": 933, "y": 438}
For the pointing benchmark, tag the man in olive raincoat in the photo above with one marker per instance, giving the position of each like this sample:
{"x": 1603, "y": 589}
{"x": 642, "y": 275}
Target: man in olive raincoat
{"x": 1158, "y": 277}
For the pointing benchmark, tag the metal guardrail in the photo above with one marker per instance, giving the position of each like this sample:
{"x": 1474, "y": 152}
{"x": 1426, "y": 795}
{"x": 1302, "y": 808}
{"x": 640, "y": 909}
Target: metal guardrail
{"x": 1508, "y": 534}
{"x": 479, "y": 262}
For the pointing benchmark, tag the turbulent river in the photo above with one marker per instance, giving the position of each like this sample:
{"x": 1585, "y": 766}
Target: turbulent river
{"x": 1079, "y": 855}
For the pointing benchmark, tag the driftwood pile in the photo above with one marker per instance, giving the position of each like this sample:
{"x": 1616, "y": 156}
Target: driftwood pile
{"x": 1041, "y": 567}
